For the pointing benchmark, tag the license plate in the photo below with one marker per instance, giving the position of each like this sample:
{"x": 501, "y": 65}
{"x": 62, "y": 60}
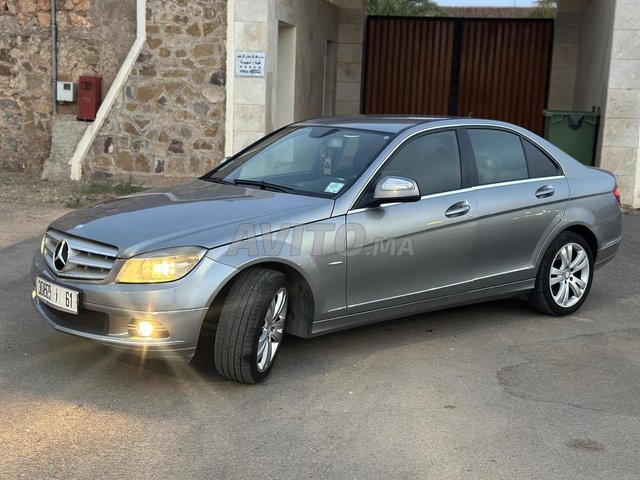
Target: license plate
{"x": 57, "y": 296}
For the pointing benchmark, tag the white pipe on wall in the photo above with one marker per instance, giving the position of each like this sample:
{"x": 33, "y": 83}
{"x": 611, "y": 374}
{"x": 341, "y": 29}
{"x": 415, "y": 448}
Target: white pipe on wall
{"x": 54, "y": 58}
{"x": 229, "y": 85}
{"x": 117, "y": 87}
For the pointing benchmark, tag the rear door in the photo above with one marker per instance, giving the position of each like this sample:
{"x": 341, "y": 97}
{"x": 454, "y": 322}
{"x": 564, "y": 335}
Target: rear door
{"x": 522, "y": 195}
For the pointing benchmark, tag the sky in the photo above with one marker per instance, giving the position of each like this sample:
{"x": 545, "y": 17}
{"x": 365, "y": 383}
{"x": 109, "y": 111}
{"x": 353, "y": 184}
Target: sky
{"x": 485, "y": 3}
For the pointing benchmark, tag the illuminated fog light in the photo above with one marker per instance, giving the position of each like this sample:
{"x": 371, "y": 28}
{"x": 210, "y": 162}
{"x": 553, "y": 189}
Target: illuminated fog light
{"x": 144, "y": 328}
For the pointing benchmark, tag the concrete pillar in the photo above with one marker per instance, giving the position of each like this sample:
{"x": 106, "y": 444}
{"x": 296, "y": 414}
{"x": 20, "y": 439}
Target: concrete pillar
{"x": 621, "y": 138}
{"x": 350, "y": 48}
{"x": 565, "y": 54}
{"x": 319, "y": 25}
{"x": 247, "y": 30}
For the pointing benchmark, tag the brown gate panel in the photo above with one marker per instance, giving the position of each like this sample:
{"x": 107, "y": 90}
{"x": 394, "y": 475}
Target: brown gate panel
{"x": 504, "y": 68}
{"x": 408, "y": 66}
{"x": 496, "y": 69}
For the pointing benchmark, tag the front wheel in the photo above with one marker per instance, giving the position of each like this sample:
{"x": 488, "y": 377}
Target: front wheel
{"x": 565, "y": 276}
{"x": 251, "y": 325}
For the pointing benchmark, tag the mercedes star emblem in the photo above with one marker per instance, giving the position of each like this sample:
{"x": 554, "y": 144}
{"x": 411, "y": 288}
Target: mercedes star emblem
{"x": 61, "y": 255}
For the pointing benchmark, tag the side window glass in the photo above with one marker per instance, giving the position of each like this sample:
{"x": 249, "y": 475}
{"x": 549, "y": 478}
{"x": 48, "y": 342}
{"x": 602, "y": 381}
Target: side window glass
{"x": 540, "y": 165}
{"x": 499, "y": 156}
{"x": 432, "y": 160}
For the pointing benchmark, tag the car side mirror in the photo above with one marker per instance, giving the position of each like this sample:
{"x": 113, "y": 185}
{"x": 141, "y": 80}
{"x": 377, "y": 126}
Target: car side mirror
{"x": 396, "y": 189}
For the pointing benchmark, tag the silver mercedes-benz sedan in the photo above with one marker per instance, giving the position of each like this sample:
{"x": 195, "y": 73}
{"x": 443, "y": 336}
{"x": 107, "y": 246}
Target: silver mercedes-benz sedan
{"x": 325, "y": 225}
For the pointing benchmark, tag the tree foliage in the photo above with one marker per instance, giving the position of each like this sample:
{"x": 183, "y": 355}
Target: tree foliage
{"x": 545, "y": 9}
{"x": 405, "y": 8}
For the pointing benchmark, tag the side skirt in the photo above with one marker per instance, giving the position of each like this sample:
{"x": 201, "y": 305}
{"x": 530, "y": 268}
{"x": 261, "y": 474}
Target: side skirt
{"x": 373, "y": 316}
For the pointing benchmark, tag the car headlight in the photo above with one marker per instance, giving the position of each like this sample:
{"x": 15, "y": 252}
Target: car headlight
{"x": 160, "y": 266}
{"x": 43, "y": 244}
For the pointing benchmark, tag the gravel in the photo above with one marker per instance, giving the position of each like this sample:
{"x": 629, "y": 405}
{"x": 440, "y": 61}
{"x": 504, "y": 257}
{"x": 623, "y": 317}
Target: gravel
{"x": 28, "y": 203}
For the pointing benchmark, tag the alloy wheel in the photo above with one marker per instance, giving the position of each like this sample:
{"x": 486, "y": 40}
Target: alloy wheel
{"x": 569, "y": 275}
{"x": 272, "y": 330}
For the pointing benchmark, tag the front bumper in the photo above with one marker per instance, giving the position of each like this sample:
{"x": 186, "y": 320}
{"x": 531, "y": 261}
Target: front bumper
{"x": 109, "y": 308}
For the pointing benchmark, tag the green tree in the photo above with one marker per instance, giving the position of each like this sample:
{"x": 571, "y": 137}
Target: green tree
{"x": 405, "y": 8}
{"x": 545, "y": 9}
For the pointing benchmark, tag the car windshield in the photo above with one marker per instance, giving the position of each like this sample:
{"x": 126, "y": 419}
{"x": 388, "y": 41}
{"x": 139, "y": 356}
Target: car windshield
{"x": 319, "y": 161}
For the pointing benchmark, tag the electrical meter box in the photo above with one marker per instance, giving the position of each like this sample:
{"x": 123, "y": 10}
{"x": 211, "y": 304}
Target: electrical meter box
{"x": 89, "y": 97}
{"x": 66, "y": 92}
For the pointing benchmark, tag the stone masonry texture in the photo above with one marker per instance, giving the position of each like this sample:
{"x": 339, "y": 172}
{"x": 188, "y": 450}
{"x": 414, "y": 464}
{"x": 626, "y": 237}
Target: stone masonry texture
{"x": 94, "y": 37}
{"x": 169, "y": 120}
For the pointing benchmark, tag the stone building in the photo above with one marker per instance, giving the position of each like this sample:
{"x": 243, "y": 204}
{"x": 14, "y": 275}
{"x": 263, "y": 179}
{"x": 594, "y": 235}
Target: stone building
{"x": 177, "y": 100}
{"x": 170, "y": 109}
{"x": 94, "y": 38}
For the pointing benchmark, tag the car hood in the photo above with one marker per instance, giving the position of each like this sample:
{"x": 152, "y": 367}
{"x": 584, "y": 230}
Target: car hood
{"x": 198, "y": 213}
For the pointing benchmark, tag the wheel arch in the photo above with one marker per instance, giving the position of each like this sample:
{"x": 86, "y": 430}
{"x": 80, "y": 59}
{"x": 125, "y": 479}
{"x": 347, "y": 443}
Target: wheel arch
{"x": 302, "y": 303}
{"x": 301, "y": 307}
{"x": 587, "y": 234}
{"x": 579, "y": 228}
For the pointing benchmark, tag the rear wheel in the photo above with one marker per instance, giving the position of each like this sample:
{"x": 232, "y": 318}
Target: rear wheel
{"x": 251, "y": 325}
{"x": 565, "y": 276}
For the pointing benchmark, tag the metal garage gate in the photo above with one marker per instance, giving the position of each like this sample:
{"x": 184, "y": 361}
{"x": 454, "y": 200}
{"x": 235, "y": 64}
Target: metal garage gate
{"x": 485, "y": 68}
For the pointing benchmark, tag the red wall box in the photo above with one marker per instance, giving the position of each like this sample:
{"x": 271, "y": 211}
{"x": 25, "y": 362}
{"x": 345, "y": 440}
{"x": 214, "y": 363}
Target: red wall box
{"x": 89, "y": 97}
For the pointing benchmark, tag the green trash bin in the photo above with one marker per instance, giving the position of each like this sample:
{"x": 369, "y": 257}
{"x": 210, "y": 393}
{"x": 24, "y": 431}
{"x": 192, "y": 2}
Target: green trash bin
{"x": 574, "y": 132}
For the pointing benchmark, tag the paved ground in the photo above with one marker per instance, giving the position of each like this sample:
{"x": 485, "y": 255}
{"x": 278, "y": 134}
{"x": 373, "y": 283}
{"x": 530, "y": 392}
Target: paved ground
{"x": 484, "y": 392}
{"x": 28, "y": 204}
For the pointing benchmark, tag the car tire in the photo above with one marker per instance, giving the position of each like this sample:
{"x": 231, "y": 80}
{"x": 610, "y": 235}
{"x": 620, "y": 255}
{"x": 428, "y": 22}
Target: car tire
{"x": 565, "y": 276}
{"x": 251, "y": 325}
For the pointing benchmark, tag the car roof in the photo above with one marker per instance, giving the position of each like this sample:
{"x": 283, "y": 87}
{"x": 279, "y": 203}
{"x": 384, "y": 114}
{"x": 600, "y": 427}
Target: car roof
{"x": 377, "y": 123}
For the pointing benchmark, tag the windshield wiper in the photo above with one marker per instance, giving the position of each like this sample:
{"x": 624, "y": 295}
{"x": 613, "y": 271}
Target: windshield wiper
{"x": 264, "y": 185}
{"x": 217, "y": 180}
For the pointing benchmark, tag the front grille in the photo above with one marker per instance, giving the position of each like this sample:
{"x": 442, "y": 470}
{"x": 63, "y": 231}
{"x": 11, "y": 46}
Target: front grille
{"x": 87, "y": 321}
{"x": 87, "y": 260}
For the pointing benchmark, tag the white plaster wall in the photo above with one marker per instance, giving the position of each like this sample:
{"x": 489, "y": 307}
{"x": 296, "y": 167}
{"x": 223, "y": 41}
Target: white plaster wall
{"x": 594, "y": 59}
{"x": 594, "y": 55}
{"x": 350, "y": 55}
{"x": 596, "y": 62}
{"x": 253, "y": 26}
{"x": 247, "y": 30}
{"x": 621, "y": 136}
{"x": 564, "y": 65}
{"x": 316, "y": 22}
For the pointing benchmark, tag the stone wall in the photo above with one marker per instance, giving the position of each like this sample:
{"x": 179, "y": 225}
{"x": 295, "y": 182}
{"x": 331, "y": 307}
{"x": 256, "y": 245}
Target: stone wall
{"x": 169, "y": 120}
{"x": 94, "y": 38}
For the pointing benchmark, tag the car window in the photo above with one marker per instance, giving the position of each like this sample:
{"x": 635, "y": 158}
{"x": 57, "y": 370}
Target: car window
{"x": 540, "y": 165}
{"x": 321, "y": 161}
{"x": 499, "y": 156}
{"x": 279, "y": 158}
{"x": 432, "y": 160}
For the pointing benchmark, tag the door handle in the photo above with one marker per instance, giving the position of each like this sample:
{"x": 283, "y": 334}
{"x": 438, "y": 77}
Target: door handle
{"x": 546, "y": 191}
{"x": 458, "y": 209}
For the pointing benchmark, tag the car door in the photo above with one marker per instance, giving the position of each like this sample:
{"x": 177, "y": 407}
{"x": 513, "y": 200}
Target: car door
{"x": 410, "y": 252}
{"x": 521, "y": 197}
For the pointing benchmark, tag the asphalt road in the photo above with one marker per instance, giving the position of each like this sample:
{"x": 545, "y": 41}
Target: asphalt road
{"x": 492, "y": 391}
